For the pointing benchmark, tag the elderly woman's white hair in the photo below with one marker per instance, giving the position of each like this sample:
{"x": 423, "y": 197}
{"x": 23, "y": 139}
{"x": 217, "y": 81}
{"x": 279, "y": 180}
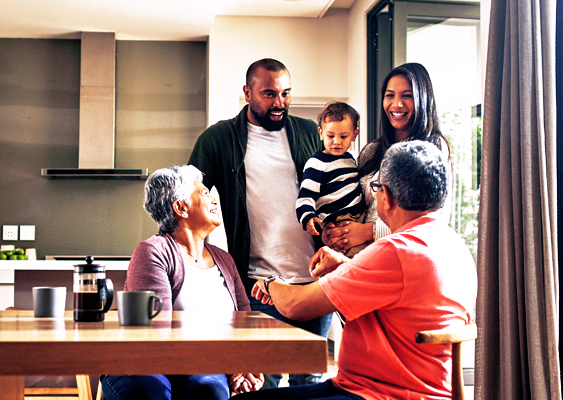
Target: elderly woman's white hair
{"x": 165, "y": 186}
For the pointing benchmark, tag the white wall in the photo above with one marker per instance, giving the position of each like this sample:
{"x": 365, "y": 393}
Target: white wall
{"x": 357, "y": 48}
{"x": 315, "y": 50}
{"x": 357, "y": 45}
{"x": 485, "y": 19}
{"x": 326, "y": 57}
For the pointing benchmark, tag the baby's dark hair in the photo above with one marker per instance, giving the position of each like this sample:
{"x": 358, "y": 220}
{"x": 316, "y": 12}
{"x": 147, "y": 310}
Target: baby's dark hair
{"x": 337, "y": 111}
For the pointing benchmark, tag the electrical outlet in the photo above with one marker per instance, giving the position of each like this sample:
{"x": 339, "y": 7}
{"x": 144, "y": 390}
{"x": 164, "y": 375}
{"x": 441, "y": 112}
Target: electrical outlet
{"x": 10, "y": 232}
{"x": 27, "y": 232}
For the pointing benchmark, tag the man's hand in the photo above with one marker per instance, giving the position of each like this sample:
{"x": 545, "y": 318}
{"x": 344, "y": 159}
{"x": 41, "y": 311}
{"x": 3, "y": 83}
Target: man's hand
{"x": 311, "y": 226}
{"x": 298, "y": 302}
{"x": 324, "y": 261}
{"x": 241, "y": 383}
{"x": 259, "y": 293}
{"x": 333, "y": 235}
{"x": 346, "y": 234}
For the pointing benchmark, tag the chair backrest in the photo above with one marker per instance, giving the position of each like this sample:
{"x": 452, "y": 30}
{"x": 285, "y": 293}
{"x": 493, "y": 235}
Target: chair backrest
{"x": 453, "y": 335}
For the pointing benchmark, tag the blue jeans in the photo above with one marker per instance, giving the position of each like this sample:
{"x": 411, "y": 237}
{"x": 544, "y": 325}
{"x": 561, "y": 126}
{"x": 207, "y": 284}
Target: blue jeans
{"x": 169, "y": 387}
{"x": 318, "y": 326}
{"x": 321, "y": 391}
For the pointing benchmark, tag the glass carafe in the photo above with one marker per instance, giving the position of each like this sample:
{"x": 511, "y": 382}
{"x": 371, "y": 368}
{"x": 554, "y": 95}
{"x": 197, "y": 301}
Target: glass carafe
{"x": 93, "y": 293}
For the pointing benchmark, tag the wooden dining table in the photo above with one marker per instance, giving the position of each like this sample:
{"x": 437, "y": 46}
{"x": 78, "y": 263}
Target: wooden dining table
{"x": 177, "y": 342}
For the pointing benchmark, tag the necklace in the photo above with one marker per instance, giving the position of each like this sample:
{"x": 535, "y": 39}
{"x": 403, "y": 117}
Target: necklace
{"x": 196, "y": 259}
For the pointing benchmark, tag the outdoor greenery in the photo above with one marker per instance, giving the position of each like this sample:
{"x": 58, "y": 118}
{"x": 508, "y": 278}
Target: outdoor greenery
{"x": 462, "y": 129}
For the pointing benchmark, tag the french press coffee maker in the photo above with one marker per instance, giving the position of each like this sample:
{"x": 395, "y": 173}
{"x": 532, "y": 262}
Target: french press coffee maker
{"x": 93, "y": 293}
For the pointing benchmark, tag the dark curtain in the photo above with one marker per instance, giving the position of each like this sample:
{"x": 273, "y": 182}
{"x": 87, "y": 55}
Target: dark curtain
{"x": 559, "y": 90}
{"x": 517, "y": 306}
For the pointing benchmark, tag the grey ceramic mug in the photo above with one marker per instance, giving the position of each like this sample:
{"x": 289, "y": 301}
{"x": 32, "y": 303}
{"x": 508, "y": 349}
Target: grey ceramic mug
{"x": 136, "y": 308}
{"x": 49, "y": 302}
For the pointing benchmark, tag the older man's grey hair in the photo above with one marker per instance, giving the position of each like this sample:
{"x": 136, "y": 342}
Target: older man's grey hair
{"x": 163, "y": 187}
{"x": 418, "y": 175}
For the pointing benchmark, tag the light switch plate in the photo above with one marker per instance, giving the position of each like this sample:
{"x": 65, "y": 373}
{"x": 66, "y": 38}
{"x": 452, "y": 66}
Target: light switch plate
{"x": 27, "y": 232}
{"x": 10, "y": 232}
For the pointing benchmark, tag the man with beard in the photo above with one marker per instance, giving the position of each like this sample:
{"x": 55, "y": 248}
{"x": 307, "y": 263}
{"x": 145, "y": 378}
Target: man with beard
{"x": 256, "y": 161}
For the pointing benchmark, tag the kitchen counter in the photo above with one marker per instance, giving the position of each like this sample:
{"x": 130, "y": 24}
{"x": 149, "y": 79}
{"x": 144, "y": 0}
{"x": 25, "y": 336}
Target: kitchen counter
{"x": 18, "y": 277}
{"x": 57, "y": 265}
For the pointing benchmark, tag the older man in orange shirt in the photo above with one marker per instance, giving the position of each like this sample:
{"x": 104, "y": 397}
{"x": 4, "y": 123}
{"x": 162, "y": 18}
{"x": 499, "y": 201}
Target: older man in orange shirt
{"x": 421, "y": 277}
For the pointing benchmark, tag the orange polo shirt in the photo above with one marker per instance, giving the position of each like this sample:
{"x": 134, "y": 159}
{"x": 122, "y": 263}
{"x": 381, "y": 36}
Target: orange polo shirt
{"x": 421, "y": 277}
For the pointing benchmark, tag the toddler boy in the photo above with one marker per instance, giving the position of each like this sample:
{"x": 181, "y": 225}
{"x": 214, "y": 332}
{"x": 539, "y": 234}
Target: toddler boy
{"x": 330, "y": 191}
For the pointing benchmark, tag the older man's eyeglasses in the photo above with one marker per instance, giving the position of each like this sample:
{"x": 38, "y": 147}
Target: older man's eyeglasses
{"x": 375, "y": 185}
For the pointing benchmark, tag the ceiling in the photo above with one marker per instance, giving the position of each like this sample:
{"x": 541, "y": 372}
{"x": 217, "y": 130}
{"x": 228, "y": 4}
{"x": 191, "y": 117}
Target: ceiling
{"x": 142, "y": 19}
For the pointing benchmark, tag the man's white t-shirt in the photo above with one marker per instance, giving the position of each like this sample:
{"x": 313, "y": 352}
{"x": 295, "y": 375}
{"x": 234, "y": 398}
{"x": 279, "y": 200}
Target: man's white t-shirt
{"x": 278, "y": 243}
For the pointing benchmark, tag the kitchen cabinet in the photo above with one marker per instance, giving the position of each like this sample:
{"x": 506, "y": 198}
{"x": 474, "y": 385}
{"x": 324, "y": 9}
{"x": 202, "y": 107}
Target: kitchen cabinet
{"x": 6, "y": 288}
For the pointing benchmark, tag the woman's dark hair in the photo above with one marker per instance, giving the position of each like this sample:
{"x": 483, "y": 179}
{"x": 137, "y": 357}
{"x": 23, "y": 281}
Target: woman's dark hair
{"x": 424, "y": 126}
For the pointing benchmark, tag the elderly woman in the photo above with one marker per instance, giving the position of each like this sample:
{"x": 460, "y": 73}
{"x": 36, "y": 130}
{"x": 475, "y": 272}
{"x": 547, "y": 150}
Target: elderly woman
{"x": 188, "y": 274}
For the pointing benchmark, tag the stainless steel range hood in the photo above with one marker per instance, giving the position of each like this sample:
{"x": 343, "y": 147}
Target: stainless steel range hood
{"x": 96, "y": 145}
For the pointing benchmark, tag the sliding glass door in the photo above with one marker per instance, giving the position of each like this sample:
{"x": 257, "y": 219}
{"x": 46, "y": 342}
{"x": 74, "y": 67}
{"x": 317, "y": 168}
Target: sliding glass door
{"x": 445, "y": 39}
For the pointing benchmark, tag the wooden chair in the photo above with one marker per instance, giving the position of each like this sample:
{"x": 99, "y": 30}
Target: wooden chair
{"x": 454, "y": 336}
{"x": 100, "y": 394}
{"x": 82, "y": 389}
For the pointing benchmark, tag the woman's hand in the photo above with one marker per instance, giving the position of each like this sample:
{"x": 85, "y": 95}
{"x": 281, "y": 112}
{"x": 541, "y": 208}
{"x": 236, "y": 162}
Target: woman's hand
{"x": 241, "y": 383}
{"x": 346, "y": 234}
{"x": 324, "y": 261}
{"x": 259, "y": 293}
